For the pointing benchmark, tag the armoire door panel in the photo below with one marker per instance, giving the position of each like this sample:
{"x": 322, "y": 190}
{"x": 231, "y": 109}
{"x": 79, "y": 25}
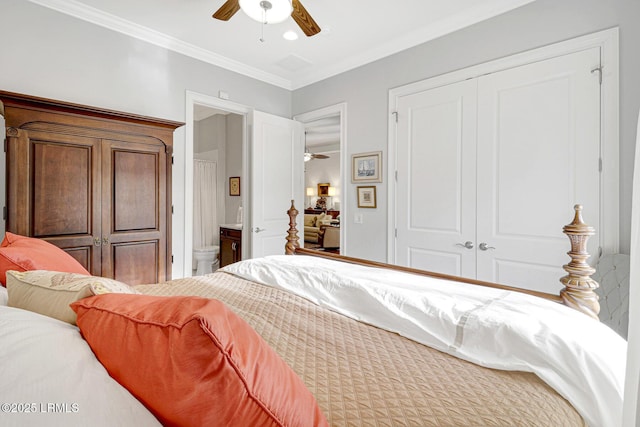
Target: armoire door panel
{"x": 54, "y": 191}
{"x": 82, "y": 255}
{"x": 60, "y": 192}
{"x": 135, "y": 190}
{"x": 133, "y": 175}
{"x": 62, "y": 189}
{"x": 135, "y": 263}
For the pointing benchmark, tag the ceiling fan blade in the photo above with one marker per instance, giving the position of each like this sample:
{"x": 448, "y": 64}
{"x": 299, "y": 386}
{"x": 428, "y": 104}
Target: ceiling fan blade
{"x": 319, "y": 156}
{"x": 304, "y": 20}
{"x": 227, "y": 10}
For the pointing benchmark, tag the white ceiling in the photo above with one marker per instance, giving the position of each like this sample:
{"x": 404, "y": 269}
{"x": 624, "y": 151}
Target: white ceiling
{"x": 354, "y": 32}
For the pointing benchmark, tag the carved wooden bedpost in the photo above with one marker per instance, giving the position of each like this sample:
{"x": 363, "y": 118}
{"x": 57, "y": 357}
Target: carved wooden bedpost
{"x": 292, "y": 237}
{"x": 578, "y": 292}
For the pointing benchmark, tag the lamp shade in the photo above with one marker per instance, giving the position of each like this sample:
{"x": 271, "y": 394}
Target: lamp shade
{"x": 310, "y": 191}
{"x": 332, "y": 191}
{"x": 267, "y": 11}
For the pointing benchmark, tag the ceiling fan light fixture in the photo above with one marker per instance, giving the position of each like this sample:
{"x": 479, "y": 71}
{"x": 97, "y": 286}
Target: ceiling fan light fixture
{"x": 267, "y": 11}
{"x": 290, "y": 35}
{"x": 307, "y": 157}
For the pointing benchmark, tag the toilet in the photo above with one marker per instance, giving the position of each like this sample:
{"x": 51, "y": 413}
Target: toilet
{"x": 206, "y": 258}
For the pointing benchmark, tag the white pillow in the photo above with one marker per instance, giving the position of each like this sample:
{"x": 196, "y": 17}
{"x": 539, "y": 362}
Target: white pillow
{"x": 46, "y": 361}
{"x": 4, "y": 296}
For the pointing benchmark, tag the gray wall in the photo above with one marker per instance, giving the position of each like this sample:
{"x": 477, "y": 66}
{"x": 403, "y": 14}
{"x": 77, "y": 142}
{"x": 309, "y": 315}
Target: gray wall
{"x": 543, "y": 22}
{"x": 209, "y": 134}
{"x": 52, "y": 55}
{"x": 233, "y": 165}
{"x": 209, "y": 143}
{"x": 224, "y": 134}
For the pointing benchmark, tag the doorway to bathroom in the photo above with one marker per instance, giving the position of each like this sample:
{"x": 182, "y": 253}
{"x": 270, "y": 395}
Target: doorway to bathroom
{"x": 217, "y": 183}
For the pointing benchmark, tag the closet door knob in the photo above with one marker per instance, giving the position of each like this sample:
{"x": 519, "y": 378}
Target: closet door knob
{"x": 484, "y": 247}
{"x": 468, "y": 244}
{"x": 105, "y": 240}
{"x": 259, "y": 230}
{"x": 96, "y": 241}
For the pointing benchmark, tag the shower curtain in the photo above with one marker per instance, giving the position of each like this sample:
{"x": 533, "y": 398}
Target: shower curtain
{"x": 205, "y": 184}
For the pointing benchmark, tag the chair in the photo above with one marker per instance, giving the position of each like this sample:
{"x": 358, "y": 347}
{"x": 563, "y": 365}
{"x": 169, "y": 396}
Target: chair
{"x": 329, "y": 237}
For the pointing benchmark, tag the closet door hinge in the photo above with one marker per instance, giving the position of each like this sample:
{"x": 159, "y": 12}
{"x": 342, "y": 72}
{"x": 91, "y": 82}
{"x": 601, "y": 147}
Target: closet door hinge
{"x": 171, "y": 209}
{"x": 5, "y": 145}
{"x": 396, "y": 176}
{"x": 599, "y": 70}
{"x": 396, "y": 232}
{"x": 395, "y": 113}
{"x": 172, "y": 159}
{"x": 600, "y": 164}
{"x": 4, "y": 213}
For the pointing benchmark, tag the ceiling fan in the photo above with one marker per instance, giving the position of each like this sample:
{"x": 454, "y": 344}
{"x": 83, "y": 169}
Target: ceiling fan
{"x": 312, "y": 156}
{"x": 260, "y": 10}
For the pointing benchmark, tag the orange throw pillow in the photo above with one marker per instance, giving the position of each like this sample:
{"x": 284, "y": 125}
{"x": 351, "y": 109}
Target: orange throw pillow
{"x": 193, "y": 362}
{"x": 22, "y": 253}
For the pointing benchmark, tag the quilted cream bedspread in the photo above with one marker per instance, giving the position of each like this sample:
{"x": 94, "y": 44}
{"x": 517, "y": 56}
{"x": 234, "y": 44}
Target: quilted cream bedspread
{"x": 365, "y": 376}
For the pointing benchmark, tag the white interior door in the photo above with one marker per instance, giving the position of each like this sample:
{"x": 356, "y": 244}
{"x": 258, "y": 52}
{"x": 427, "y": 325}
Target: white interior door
{"x": 538, "y": 155}
{"x": 276, "y": 179}
{"x": 436, "y": 170}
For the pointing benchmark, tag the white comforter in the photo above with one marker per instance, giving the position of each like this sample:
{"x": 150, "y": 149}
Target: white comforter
{"x": 580, "y": 358}
{"x": 50, "y": 377}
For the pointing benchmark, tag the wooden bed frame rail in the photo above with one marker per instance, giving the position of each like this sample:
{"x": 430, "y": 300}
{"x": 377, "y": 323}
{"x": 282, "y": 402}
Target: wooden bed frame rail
{"x": 579, "y": 287}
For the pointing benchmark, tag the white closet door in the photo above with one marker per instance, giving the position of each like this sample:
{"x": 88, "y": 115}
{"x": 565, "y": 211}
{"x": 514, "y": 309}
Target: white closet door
{"x": 538, "y": 154}
{"x": 276, "y": 179}
{"x": 435, "y": 190}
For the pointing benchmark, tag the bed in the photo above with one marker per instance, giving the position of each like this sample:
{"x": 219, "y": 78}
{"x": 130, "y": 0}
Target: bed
{"x": 303, "y": 340}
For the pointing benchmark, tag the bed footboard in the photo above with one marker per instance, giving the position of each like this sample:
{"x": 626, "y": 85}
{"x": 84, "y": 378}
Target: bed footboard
{"x": 579, "y": 287}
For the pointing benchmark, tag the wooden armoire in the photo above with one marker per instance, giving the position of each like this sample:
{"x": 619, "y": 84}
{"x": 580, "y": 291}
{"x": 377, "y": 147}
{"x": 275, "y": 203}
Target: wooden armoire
{"x": 93, "y": 182}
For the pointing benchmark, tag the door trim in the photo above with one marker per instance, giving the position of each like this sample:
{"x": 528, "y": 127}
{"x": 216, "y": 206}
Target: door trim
{"x": 607, "y": 41}
{"x": 329, "y": 111}
{"x": 192, "y": 99}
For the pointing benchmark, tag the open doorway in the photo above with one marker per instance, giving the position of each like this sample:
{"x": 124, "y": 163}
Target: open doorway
{"x": 217, "y": 160}
{"x": 325, "y": 171}
{"x": 215, "y": 152}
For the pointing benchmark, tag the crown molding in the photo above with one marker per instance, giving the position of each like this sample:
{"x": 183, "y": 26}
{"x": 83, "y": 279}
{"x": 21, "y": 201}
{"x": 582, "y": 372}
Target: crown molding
{"x": 482, "y": 11}
{"x": 115, "y": 23}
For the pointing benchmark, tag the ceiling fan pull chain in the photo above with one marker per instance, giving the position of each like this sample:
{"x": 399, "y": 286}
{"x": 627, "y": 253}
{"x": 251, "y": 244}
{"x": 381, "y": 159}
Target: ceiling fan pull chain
{"x": 264, "y": 20}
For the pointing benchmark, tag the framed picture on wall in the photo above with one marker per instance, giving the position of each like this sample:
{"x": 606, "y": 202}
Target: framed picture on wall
{"x": 366, "y": 167}
{"x": 234, "y": 186}
{"x": 367, "y": 197}
{"x": 323, "y": 189}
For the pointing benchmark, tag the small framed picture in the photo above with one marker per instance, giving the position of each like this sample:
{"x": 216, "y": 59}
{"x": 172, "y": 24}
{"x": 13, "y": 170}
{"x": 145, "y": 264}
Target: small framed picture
{"x": 234, "y": 186}
{"x": 323, "y": 189}
{"x": 366, "y": 167}
{"x": 367, "y": 197}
